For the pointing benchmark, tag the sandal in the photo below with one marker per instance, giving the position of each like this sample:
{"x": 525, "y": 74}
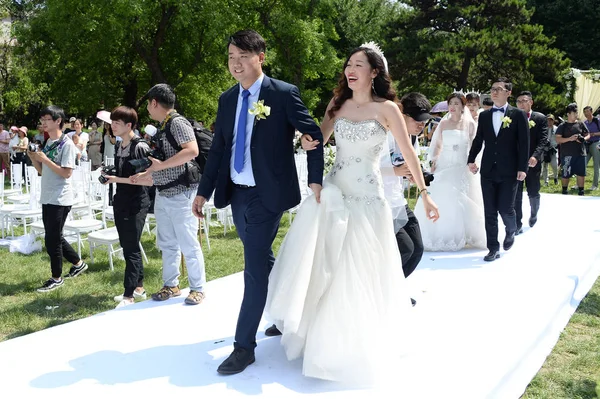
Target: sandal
{"x": 166, "y": 293}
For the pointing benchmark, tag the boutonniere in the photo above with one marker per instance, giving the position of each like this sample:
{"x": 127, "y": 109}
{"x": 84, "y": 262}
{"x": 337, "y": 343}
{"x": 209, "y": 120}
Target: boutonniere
{"x": 506, "y": 121}
{"x": 531, "y": 124}
{"x": 260, "y": 110}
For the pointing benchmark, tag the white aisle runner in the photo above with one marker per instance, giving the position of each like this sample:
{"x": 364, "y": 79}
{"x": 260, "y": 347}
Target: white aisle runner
{"x": 481, "y": 330}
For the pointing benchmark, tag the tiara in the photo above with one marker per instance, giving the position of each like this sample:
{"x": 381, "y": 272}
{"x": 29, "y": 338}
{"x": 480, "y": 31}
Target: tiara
{"x": 461, "y": 92}
{"x": 375, "y": 47}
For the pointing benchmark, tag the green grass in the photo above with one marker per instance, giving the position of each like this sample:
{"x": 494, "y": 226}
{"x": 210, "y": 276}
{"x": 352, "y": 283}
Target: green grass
{"x": 571, "y": 371}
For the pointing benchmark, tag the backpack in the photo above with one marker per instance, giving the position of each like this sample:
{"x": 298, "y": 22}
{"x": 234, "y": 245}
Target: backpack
{"x": 204, "y": 138}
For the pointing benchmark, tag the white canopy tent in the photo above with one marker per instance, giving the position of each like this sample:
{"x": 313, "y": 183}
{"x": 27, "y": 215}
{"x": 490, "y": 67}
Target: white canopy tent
{"x": 587, "y": 90}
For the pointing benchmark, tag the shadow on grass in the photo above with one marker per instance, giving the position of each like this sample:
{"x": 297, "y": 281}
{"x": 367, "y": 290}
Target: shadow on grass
{"x": 590, "y": 305}
{"x": 581, "y": 389}
{"x": 17, "y": 288}
{"x": 54, "y": 309}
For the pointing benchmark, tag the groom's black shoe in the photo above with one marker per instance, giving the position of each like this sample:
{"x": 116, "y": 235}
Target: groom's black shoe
{"x": 491, "y": 256}
{"x": 509, "y": 240}
{"x": 272, "y": 331}
{"x": 237, "y": 362}
{"x": 519, "y": 231}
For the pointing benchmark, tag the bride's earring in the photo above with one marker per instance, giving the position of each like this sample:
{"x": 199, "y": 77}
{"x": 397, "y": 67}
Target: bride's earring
{"x": 373, "y": 85}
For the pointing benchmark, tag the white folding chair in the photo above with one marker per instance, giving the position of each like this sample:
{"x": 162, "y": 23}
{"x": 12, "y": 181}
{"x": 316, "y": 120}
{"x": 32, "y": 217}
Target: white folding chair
{"x": 34, "y": 211}
{"x": 110, "y": 238}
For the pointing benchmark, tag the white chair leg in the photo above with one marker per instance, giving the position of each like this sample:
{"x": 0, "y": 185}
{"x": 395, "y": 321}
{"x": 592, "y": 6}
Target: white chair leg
{"x": 110, "y": 259}
{"x": 92, "y": 244}
{"x": 144, "y": 254}
{"x": 79, "y": 244}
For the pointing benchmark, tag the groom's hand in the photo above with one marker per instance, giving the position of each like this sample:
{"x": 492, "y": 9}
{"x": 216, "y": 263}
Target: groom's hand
{"x": 473, "y": 168}
{"x": 521, "y": 176}
{"x": 316, "y": 188}
{"x": 198, "y": 205}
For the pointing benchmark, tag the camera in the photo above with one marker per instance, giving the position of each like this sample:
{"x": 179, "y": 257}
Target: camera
{"x": 428, "y": 177}
{"x": 581, "y": 138}
{"x": 110, "y": 170}
{"x": 140, "y": 165}
{"x": 33, "y": 147}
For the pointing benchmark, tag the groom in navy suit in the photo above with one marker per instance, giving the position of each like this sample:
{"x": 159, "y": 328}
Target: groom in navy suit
{"x": 251, "y": 166}
{"x": 505, "y": 131}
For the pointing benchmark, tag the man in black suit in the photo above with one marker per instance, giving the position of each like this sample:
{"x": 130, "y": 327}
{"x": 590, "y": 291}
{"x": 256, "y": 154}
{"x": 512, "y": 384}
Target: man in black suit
{"x": 538, "y": 141}
{"x": 251, "y": 166}
{"x": 505, "y": 131}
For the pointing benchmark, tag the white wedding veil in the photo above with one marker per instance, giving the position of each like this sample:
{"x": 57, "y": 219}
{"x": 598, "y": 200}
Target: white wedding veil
{"x": 467, "y": 123}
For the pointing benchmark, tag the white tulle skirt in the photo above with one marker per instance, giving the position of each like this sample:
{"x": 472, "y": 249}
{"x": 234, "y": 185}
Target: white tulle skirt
{"x": 337, "y": 289}
{"x": 457, "y": 193}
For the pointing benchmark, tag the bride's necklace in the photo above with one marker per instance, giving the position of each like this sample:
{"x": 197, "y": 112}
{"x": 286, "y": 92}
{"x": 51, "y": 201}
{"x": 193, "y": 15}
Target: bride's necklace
{"x": 358, "y": 105}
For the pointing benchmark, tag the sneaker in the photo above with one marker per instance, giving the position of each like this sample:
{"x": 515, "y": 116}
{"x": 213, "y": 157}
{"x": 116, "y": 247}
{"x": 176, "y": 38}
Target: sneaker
{"x": 51, "y": 285}
{"x": 124, "y": 302}
{"x": 195, "y": 298}
{"x": 141, "y": 297}
{"x": 594, "y": 188}
{"x": 166, "y": 293}
{"x": 77, "y": 270}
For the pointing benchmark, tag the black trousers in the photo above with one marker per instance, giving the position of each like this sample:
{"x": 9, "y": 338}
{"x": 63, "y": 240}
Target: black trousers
{"x": 54, "y": 217}
{"x": 532, "y": 181}
{"x": 257, "y": 227}
{"x": 129, "y": 226}
{"x": 410, "y": 243}
{"x": 498, "y": 197}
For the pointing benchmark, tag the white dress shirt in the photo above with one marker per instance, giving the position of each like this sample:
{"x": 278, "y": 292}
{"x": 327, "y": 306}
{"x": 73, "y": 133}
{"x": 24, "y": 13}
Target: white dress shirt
{"x": 246, "y": 176}
{"x": 497, "y": 118}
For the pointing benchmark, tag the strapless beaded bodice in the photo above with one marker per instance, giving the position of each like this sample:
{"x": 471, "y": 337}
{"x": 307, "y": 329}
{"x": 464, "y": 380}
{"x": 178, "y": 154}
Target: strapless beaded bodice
{"x": 356, "y": 168}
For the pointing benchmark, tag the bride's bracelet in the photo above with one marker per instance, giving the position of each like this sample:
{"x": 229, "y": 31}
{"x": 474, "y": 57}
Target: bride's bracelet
{"x": 423, "y": 190}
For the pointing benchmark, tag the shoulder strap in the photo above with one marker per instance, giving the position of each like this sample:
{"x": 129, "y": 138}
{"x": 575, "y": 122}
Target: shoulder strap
{"x": 169, "y": 136}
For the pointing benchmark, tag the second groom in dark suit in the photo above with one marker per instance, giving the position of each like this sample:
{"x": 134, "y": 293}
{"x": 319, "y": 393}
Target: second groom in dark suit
{"x": 505, "y": 131}
{"x": 251, "y": 166}
{"x": 538, "y": 141}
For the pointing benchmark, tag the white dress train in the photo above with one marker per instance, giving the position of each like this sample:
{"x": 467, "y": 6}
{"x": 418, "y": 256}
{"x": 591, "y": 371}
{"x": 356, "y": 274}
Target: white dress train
{"x": 337, "y": 290}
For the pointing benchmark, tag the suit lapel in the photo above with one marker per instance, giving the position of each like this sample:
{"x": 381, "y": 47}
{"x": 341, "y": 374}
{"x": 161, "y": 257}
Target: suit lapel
{"x": 264, "y": 95}
{"x": 230, "y": 109}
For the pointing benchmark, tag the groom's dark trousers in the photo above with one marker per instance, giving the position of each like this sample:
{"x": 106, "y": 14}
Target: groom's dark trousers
{"x": 498, "y": 197}
{"x": 257, "y": 227}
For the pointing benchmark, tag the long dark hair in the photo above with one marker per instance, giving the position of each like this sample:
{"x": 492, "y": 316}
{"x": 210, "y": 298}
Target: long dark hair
{"x": 382, "y": 82}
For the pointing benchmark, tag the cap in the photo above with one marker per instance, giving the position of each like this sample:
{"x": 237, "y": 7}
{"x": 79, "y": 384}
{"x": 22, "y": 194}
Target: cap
{"x": 150, "y": 130}
{"x": 417, "y": 113}
{"x": 14, "y": 128}
{"x": 72, "y": 119}
{"x": 104, "y": 116}
{"x": 550, "y": 116}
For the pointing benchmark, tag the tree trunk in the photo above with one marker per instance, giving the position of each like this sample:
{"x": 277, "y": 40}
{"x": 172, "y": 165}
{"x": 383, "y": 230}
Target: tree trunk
{"x": 130, "y": 93}
{"x": 463, "y": 77}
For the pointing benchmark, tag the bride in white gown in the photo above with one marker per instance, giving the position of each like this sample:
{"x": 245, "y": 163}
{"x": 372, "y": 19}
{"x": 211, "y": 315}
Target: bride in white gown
{"x": 337, "y": 289}
{"x": 457, "y": 190}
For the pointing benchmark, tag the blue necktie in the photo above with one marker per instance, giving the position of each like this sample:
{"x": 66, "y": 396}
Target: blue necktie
{"x": 497, "y": 109}
{"x": 240, "y": 138}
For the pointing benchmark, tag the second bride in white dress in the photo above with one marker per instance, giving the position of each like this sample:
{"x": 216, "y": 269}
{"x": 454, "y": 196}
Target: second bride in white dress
{"x": 456, "y": 189}
{"x": 337, "y": 291}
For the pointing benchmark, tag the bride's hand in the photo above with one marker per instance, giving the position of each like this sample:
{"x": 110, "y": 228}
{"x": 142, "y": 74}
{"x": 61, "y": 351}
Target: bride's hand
{"x": 316, "y": 188}
{"x": 431, "y": 209}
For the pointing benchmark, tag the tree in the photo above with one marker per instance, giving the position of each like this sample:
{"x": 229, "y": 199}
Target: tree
{"x": 436, "y": 46}
{"x": 574, "y": 26}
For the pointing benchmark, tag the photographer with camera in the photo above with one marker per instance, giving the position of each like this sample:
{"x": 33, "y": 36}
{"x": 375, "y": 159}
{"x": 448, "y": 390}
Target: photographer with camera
{"x": 571, "y": 136}
{"x": 176, "y": 176}
{"x": 131, "y": 201}
{"x": 55, "y": 162}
